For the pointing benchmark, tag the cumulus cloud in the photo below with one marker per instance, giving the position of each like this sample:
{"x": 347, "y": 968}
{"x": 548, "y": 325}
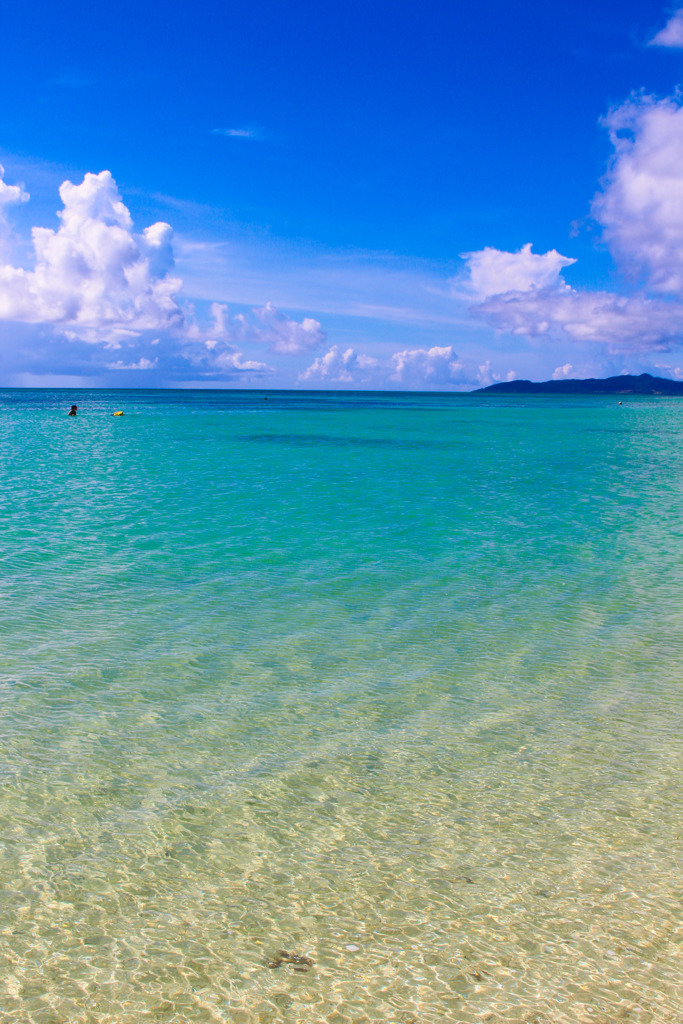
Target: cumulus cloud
{"x": 221, "y": 320}
{"x": 93, "y": 276}
{"x": 623, "y": 323}
{"x": 672, "y": 33}
{"x": 268, "y": 326}
{"x": 10, "y": 194}
{"x": 641, "y": 205}
{"x": 640, "y": 210}
{"x": 217, "y": 355}
{"x": 435, "y": 367}
{"x": 95, "y": 279}
{"x": 285, "y": 335}
{"x": 563, "y": 372}
{"x": 337, "y": 367}
{"x": 234, "y": 360}
{"x": 493, "y": 272}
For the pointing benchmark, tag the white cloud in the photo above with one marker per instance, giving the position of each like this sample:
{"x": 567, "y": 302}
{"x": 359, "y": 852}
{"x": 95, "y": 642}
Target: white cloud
{"x": 10, "y": 194}
{"x": 674, "y": 371}
{"x": 620, "y": 322}
{"x": 142, "y": 364}
{"x": 337, "y": 367}
{"x": 269, "y": 326}
{"x": 221, "y": 320}
{"x": 429, "y": 366}
{"x": 216, "y": 355}
{"x": 94, "y": 277}
{"x": 640, "y": 209}
{"x": 563, "y": 372}
{"x": 227, "y": 360}
{"x": 96, "y": 280}
{"x": 641, "y": 205}
{"x": 493, "y": 272}
{"x": 435, "y": 367}
{"x": 672, "y": 33}
{"x": 285, "y": 335}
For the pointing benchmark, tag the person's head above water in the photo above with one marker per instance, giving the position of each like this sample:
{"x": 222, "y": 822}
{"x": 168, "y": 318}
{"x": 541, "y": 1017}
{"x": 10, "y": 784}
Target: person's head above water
{"x": 73, "y": 410}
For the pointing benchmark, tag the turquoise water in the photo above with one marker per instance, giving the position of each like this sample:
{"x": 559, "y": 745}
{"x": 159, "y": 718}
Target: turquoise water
{"x": 391, "y": 682}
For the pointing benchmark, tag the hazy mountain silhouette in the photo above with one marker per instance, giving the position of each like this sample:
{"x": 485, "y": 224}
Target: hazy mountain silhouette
{"x": 625, "y": 384}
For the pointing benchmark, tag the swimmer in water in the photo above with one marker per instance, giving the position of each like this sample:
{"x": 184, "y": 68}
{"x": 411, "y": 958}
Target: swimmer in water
{"x": 73, "y": 411}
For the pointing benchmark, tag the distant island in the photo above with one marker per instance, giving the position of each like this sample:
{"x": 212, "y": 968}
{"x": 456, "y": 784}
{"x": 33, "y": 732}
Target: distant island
{"x": 626, "y": 384}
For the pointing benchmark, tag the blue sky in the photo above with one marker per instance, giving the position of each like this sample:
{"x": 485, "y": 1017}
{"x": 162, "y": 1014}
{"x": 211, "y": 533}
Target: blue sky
{"x": 323, "y": 172}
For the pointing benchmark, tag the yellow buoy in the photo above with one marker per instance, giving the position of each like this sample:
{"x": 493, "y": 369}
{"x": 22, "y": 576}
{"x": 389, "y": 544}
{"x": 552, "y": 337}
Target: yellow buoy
{"x": 119, "y": 413}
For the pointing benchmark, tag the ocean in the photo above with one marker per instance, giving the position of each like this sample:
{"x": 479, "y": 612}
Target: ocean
{"x": 390, "y": 683}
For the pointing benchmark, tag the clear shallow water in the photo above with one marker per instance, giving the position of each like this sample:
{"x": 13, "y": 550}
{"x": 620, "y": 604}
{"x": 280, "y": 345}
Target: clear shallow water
{"x": 393, "y": 682}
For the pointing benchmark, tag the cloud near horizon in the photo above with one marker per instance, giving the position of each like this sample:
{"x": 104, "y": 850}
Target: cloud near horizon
{"x": 347, "y": 367}
{"x": 222, "y": 349}
{"x": 438, "y": 366}
{"x": 97, "y": 281}
{"x": 142, "y": 364}
{"x": 267, "y": 326}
